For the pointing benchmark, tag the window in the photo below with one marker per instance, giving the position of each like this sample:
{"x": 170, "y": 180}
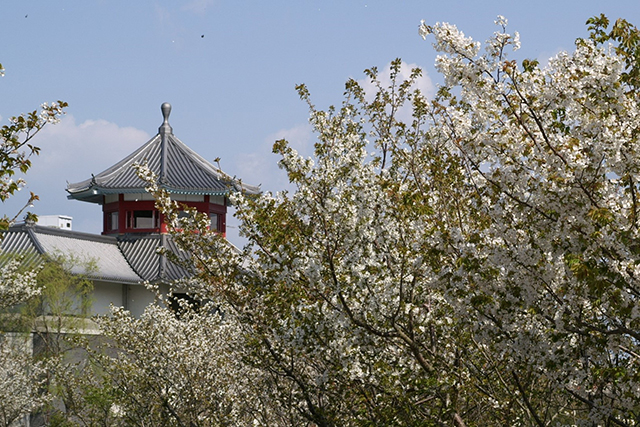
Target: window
{"x": 112, "y": 221}
{"x": 143, "y": 219}
{"x": 213, "y": 218}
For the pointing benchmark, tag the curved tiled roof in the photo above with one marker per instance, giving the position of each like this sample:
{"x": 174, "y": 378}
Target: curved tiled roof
{"x": 126, "y": 258}
{"x": 100, "y": 260}
{"x": 20, "y": 244}
{"x": 179, "y": 169}
{"x": 97, "y": 257}
{"x": 141, "y": 251}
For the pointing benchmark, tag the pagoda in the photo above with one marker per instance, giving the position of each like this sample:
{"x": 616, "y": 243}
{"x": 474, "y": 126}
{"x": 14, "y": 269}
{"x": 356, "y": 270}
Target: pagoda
{"x": 131, "y": 248}
{"x": 189, "y": 178}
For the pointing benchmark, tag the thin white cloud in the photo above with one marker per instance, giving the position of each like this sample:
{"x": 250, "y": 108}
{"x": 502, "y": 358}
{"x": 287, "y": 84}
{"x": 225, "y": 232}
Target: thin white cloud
{"x": 163, "y": 16}
{"x": 77, "y": 150}
{"x": 423, "y": 82}
{"x": 170, "y": 26}
{"x": 255, "y": 165}
{"x": 198, "y": 7}
{"x": 299, "y": 138}
{"x": 262, "y": 168}
{"x": 544, "y": 57}
{"x": 262, "y": 165}
{"x": 71, "y": 152}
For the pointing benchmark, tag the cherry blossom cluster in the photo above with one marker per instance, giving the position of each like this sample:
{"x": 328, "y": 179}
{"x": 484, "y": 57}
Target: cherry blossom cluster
{"x": 474, "y": 264}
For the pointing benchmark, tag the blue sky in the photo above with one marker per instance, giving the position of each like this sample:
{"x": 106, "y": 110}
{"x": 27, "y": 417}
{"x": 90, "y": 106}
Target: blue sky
{"x": 115, "y": 62}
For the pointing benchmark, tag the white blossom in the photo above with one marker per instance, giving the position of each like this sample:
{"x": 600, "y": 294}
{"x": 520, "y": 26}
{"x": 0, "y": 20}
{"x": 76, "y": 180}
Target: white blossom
{"x": 477, "y": 264}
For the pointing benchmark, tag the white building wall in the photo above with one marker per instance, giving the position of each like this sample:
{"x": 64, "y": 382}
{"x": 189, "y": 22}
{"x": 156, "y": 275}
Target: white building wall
{"x": 62, "y": 222}
{"x": 139, "y": 297}
{"x": 134, "y": 298}
{"x": 105, "y": 294}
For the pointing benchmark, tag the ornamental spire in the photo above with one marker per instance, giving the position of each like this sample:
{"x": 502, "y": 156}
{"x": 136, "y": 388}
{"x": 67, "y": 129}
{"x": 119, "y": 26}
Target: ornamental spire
{"x": 166, "y": 111}
{"x": 165, "y": 130}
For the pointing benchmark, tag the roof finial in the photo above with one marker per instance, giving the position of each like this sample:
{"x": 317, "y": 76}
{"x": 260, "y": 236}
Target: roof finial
{"x": 166, "y": 110}
{"x": 164, "y": 131}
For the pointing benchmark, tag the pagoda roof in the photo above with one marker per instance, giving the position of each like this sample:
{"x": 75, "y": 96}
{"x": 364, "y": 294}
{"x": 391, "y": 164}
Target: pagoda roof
{"x": 143, "y": 254}
{"x": 180, "y": 170}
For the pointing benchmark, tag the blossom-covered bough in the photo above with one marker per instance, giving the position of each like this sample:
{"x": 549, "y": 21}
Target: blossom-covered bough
{"x": 16, "y": 150}
{"x": 166, "y": 370}
{"x": 477, "y": 264}
{"x": 20, "y": 377}
{"x": 21, "y": 380}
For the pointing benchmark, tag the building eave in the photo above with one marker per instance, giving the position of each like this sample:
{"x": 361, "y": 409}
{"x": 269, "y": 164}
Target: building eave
{"x": 178, "y": 168}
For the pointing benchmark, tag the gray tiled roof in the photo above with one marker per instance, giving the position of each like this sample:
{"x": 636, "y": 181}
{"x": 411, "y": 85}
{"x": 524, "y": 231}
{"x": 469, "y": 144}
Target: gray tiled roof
{"x": 18, "y": 243}
{"x": 122, "y": 259}
{"x": 180, "y": 170}
{"x": 96, "y": 256}
{"x": 142, "y": 253}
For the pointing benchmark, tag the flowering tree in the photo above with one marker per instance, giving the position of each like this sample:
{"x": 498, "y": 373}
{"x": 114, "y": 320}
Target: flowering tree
{"x": 16, "y": 285}
{"x": 40, "y": 308}
{"x": 16, "y": 149}
{"x": 20, "y": 377}
{"x": 171, "y": 370}
{"x": 19, "y": 382}
{"x": 476, "y": 264}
